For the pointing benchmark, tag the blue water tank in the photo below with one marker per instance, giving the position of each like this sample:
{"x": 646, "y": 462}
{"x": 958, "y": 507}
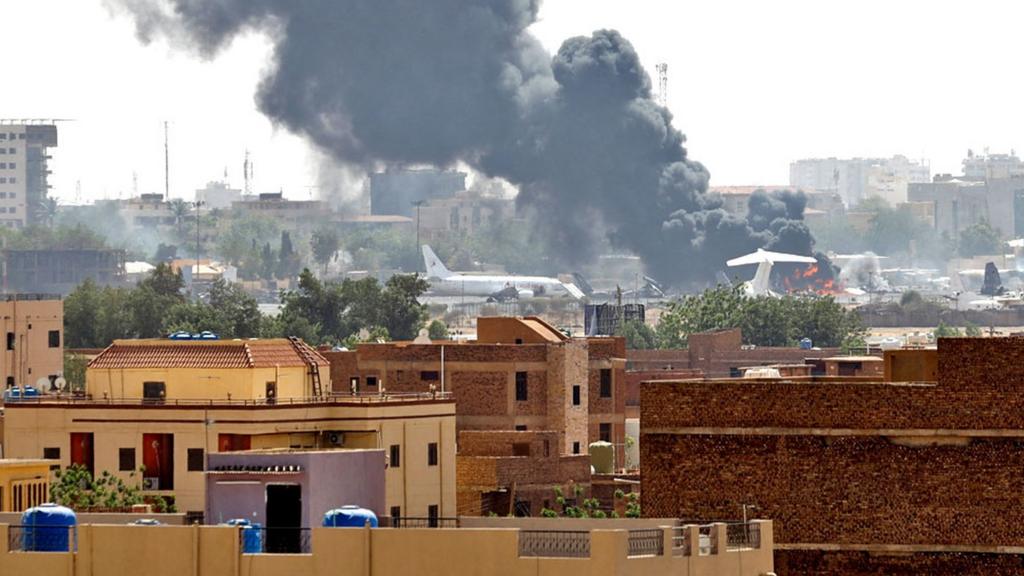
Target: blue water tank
{"x": 349, "y": 517}
{"x": 806, "y": 344}
{"x": 48, "y": 528}
{"x": 15, "y": 394}
{"x": 252, "y": 535}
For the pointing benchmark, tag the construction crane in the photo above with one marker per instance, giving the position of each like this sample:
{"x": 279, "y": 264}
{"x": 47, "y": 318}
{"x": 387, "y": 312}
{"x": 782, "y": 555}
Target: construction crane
{"x": 662, "y": 69}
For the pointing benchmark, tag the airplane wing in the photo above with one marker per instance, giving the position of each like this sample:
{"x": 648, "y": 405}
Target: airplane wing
{"x": 573, "y": 290}
{"x": 762, "y": 256}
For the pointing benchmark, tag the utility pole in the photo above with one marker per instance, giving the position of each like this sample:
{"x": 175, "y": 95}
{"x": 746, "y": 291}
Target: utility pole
{"x": 418, "y": 204}
{"x": 198, "y": 205}
{"x": 167, "y": 167}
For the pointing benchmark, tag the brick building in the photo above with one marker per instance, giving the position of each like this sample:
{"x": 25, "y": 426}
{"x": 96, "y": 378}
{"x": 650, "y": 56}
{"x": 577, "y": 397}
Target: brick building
{"x": 861, "y": 475}
{"x": 529, "y": 400}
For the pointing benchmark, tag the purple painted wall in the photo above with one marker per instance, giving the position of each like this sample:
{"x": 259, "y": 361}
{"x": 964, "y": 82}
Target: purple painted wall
{"x": 329, "y": 479}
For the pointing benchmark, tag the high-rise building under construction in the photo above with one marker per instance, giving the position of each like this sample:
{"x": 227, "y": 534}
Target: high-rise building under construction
{"x": 24, "y": 154}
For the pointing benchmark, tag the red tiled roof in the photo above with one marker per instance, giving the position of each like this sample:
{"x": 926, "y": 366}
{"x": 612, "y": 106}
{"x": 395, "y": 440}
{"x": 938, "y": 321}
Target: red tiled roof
{"x": 158, "y": 353}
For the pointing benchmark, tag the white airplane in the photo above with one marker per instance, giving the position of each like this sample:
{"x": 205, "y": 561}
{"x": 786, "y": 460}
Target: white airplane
{"x": 760, "y": 285}
{"x": 444, "y": 281}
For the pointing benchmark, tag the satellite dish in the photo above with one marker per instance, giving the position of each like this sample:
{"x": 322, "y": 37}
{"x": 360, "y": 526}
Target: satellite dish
{"x": 61, "y": 383}
{"x": 44, "y": 384}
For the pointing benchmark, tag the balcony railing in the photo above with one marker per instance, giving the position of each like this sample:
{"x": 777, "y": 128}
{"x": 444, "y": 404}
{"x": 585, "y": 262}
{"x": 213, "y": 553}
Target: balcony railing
{"x": 259, "y": 540}
{"x": 647, "y": 542}
{"x": 334, "y": 399}
{"x": 554, "y": 543}
{"x": 741, "y": 535}
{"x": 41, "y": 538}
{"x": 416, "y": 522}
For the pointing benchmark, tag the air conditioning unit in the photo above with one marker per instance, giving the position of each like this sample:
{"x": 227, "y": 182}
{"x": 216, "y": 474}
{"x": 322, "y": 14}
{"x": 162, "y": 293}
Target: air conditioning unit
{"x": 151, "y": 483}
{"x": 335, "y": 438}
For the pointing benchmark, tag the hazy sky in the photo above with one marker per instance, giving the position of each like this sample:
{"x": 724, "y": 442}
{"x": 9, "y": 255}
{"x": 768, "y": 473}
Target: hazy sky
{"x": 754, "y": 84}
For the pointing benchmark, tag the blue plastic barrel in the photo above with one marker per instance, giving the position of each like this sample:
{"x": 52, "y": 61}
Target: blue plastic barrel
{"x": 252, "y": 535}
{"x": 48, "y": 528}
{"x": 806, "y": 344}
{"x": 349, "y": 517}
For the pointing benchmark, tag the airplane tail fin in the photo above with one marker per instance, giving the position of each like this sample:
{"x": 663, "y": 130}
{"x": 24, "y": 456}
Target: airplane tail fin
{"x": 435, "y": 268}
{"x": 761, "y": 284}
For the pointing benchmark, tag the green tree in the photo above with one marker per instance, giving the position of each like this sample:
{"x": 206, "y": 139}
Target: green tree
{"x": 76, "y": 488}
{"x": 325, "y": 244}
{"x": 972, "y": 331}
{"x": 82, "y": 308}
{"x": 638, "y": 335}
{"x": 979, "y": 239}
{"x": 180, "y": 210}
{"x": 74, "y": 371}
{"x": 944, "y": 330}
{"x": 764, "y": 321}
{"x": 437, "y": 330}
{"x": 401, "y": 312}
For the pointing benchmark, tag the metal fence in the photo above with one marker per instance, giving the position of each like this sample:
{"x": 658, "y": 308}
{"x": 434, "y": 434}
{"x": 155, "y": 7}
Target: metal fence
{"x": 253, "y": 540}
{"x": 743, "y": 536}
{"x": 647, "y": 542}
{"x": 42, "y": 538}
{"x": 554, "y": 543}
{"x": 417, "y": 522}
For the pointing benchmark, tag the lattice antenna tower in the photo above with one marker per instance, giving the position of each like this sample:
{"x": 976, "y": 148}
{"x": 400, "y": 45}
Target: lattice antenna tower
{"x": 662, "y": 69}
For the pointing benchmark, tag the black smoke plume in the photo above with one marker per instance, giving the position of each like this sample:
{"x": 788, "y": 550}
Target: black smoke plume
{"x": 379, "y": 82}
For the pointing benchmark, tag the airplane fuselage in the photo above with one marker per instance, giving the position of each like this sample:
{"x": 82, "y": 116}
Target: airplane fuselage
{"x": 487, "y": 285}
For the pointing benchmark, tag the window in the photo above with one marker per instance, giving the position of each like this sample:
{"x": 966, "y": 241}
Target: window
{"x": 371, "y": 381}
{"x": 575, "y": 447}
{"x": 429, "y": 376}
{"x": 432, "y": 516}
{"x": 521, "y": 449}
{"x": 432, "y": 454}
{"x": 396, "y": 515}
{"x": 520, "y": 427}
{"x": 51, "y": 453}
{"x": 12, "y": 180}
{"x": 271, "y": 392}
{"x": 153, "y": 392}
{"x": 395, "y": 458}
{"x": 12, "y": 165}
{"x": 3, "y": 180}
{"x": 522, "y": 390}
{"x": 576, "y": 395}
{"x": 196, "y": 460}
{"x": 10, "y": 381}
{"x": 10, "y": 340}
{"x": 606, "y": 383}
{"x": 10, "y": 151}
{"x": 519, "y": 340}
{"x": 126, "y": 459}
{"x": 54, "y": 338}
{"x": 606, "y": 432}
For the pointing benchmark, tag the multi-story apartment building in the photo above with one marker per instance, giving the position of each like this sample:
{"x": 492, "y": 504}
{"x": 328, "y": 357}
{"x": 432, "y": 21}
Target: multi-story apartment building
{"x": 529, "y": 401}
{"x": 33, "y": 329}
{"x": 23, "y": 169}
{"x": 857, "y": 179}
{"x": 162, "y": 405}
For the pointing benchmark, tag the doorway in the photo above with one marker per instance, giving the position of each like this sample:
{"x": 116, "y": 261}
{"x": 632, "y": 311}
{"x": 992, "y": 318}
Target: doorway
{"x": 284, "y": 519}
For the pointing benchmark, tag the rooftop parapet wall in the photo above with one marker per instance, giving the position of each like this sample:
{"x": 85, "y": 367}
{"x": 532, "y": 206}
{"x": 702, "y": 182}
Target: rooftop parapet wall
{"x": 980, "y": 387}
{"x": 453, "y": 352}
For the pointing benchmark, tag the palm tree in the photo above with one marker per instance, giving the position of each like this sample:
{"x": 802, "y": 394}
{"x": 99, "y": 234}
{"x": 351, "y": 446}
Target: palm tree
{"x": 180, "y": 209}
{"x": 46, "y": 210}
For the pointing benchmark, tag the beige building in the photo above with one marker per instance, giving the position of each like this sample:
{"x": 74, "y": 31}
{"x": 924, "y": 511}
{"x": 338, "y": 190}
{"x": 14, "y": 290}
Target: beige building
{"x": 24, "y": 483}
{"x": 23, "y": 170}
{"x": 617, "y": 549}
{"x": 164, "y": 404}
{"x": 33, "y": 331}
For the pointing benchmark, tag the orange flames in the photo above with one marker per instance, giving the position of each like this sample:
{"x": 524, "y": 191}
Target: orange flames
{"x": 810, "y": 280}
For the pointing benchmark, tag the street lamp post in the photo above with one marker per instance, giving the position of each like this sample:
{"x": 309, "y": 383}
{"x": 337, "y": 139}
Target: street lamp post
{"x": 198, "y": 204}
{"x": 418, "y": 204}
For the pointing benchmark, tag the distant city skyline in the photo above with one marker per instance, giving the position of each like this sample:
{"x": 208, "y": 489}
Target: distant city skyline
{"x": 754, "y": 87}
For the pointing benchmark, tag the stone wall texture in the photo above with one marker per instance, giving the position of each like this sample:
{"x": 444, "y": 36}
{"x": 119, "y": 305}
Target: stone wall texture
{"x": 837, "y": 466}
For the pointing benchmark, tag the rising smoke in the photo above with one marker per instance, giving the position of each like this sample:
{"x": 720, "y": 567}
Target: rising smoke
{"x": 378, "y": 82}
